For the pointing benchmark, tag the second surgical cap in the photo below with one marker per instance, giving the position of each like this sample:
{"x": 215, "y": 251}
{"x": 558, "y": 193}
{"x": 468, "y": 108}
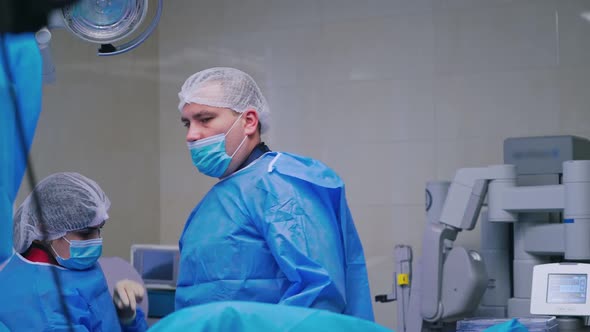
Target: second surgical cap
{"x": 64, "y": 202}
{"x": 228, "y": 88}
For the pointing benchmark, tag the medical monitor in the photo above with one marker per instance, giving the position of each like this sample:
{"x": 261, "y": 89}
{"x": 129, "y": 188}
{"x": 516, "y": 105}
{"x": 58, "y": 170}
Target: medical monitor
{"x": 560, "y": 289}
{"x": 157, "y": 264}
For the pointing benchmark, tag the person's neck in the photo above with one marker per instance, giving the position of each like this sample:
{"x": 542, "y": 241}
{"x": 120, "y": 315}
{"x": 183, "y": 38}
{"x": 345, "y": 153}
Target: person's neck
{"x": 258, "y": 150}
{"x": 38, "y": 252}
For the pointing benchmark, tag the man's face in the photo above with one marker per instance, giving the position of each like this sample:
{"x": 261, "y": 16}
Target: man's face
{"x": 203, "y": 121}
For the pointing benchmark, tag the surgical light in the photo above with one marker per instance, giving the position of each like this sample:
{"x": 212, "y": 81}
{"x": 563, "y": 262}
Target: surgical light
{"x": 106, "y": 22}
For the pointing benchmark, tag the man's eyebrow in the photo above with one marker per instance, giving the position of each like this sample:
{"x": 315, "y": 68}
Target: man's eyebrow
{"x": 201, "y": 114}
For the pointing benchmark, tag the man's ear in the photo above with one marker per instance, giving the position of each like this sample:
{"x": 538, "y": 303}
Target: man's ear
{"x": 250, "y": 118}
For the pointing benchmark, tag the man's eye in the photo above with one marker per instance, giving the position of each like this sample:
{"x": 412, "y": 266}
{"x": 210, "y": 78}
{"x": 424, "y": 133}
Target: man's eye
{"x": 205, "y": 120}
{"x": 185, "y": 124}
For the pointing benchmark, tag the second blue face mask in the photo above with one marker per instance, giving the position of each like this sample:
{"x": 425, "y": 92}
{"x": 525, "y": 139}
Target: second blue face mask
{"x": 83, "y": 254}
{"x": 209, "y": 154}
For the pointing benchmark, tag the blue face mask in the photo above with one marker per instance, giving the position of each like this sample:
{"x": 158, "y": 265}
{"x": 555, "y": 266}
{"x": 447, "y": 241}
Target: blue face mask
{"x": 209, "y": 154}
{"x": 83, "y": 254}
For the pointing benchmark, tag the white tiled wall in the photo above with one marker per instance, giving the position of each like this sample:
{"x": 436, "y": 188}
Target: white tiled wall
{"x": 389, "y": 93}
{"x": 100, "y": 119}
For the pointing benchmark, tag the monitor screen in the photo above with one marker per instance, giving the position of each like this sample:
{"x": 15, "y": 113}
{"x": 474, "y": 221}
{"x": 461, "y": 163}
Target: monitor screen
{"x": 158, "y": 265}
{"x": 566, "y": 288}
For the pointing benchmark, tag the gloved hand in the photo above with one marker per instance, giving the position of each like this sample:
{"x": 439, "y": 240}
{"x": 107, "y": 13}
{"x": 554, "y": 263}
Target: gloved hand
{"x": 126, "y": 295}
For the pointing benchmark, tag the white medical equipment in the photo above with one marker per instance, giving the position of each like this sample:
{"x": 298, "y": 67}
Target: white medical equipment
{"x": 561, "y": 289}
{"x": 538, "y": 212}
{"x": 156, "y": 264}
{"x": 158, "y": 267}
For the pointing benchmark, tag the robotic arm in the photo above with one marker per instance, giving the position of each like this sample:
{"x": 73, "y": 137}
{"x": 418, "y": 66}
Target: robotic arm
{"x": 452, "y": 278}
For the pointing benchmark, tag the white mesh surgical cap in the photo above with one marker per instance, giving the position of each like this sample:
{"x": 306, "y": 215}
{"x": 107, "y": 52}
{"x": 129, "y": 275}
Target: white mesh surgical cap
{"x": 64, "y": 202}
{"x": 227, "y": 88}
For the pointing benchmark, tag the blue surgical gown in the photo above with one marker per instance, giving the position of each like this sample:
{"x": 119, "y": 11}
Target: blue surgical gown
{"x": 277, "y": 231}
{"x": 30, "y": 299}
{"x": 20, "y": 73}
{"x": 255, "y": 317}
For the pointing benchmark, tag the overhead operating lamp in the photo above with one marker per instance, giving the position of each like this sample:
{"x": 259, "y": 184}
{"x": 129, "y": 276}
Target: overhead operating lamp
{"x": 107, "y": 22}
{"x": 103, "y": 22}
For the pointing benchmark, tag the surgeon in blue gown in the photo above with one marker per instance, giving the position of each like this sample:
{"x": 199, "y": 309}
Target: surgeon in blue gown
{"x": 53, "y": 290}
{"x": 73, "y": 209}
{"x": 276, "y": 228}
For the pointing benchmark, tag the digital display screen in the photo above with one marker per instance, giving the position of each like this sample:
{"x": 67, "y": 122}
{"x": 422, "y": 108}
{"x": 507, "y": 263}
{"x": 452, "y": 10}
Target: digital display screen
{"x": 566, "y": 288}
{"x": 158, "y": 265}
